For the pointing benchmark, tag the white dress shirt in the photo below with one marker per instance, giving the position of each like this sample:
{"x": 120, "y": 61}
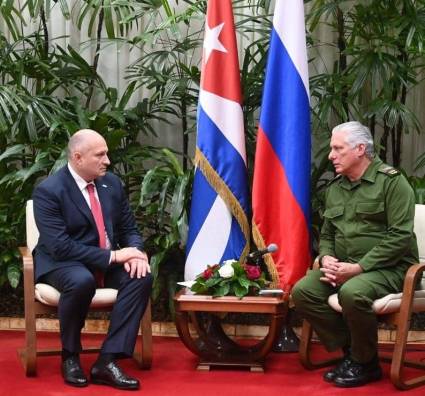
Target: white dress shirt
{"x": 82, "y": 185}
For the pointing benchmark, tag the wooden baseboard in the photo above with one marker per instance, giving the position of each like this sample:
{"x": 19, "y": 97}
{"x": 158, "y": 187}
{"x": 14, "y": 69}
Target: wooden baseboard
{"x": 169, "y": 329}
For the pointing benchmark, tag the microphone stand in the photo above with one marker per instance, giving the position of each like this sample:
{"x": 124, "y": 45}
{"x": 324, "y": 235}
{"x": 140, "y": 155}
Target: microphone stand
{"x": 286, "y": 340}
{"x": 256, "y": 260}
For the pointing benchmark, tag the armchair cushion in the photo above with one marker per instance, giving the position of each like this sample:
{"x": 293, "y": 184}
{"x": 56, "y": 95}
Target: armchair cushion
{"x": 48, "y": 295}
{"x": 388, "y": 304}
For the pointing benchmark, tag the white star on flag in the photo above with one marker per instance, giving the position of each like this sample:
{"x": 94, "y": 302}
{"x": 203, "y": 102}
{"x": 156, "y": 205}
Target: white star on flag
{"x": 211, "y": 41}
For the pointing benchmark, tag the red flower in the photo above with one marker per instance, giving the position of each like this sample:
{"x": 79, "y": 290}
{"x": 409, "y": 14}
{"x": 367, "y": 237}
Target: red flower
{"x": 252, "y": 271}
{"x": 209, "y": 272}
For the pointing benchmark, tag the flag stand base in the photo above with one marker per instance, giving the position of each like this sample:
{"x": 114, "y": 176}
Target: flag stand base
{"x": 287, "y": 340}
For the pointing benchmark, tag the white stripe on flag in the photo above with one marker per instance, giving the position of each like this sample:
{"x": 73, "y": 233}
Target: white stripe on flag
{"x": 286, "y": 22}
{"x": 227, "y": 116}
{"x": 211, "y": 240}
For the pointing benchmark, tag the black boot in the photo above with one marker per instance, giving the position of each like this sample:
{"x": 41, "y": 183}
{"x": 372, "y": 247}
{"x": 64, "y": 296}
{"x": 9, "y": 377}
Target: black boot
{"x": 330, "y": 375}
{"x": 357, "y": 374}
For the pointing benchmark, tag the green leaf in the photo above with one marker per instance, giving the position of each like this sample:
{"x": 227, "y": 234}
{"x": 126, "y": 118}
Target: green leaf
{"x": 155, "y": 262}
{"x": 60, "y": 162}
{"x": 64, "y": 8}
{"x": 211, "y": 282}
{"x": 199, "y": 288}
{"x": 179, "y": 197}
{"x": 157, "y": 287}
{"x": 13, "y": 274}
{"x": 127, "y": 95}
{"x": 173, "y": 161}
{"x": 244, "y": 282}
{"x": 12, "y": 151}
{"x": 222, "y": 290}
{"x": 109, "y": 23}
{"x": 240, "y": 291}
{"x": 115, "y": 137}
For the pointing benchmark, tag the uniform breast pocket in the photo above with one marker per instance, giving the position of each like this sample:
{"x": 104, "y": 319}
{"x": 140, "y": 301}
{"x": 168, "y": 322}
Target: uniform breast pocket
{"x": 372, "y": 214}
{"x": 334, "y": 215}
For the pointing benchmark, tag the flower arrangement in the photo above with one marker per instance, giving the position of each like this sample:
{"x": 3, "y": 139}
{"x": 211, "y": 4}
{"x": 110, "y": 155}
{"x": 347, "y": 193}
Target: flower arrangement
{"x": 231, "y": 278}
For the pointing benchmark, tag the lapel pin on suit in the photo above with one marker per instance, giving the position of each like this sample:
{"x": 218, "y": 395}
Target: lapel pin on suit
{"x": 104, "y": 185}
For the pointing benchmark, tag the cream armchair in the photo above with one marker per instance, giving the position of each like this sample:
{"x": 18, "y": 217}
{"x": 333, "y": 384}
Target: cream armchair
{"x": 42, "y": 299}
{"x": 395, "y": 309}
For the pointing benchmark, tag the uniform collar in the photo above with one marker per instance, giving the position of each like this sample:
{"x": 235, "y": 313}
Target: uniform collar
{"x": 369, "y": 175}
{"x": 372, "y": 170}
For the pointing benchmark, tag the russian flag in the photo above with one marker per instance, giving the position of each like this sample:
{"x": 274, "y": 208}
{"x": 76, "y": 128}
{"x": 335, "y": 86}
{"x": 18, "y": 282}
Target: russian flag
{"x": 281, "y": 186}
{"x": 218, "y": 223}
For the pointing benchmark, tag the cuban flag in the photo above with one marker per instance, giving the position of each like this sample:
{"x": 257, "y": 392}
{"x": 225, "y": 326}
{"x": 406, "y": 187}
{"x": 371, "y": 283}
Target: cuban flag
{"x": 281, "y": 186}
{"x": 218, "y": 224}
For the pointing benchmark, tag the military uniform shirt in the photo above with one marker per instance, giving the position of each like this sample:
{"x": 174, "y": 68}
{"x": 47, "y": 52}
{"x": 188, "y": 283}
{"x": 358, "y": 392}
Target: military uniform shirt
{"x": 370, "y": 221}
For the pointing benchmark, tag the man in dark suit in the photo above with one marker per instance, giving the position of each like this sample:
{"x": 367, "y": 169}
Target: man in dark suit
{"x": 86, "y": 230}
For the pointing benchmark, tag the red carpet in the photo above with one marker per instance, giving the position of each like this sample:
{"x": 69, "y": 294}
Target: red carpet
{"x": 173, "y": 373}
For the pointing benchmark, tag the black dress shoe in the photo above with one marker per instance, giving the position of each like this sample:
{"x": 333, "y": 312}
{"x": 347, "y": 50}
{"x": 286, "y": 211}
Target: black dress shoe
{"x": 112, "y": 375}
{"x": 337, "y": 371}
{"x": 357, "y": 374}
{"x": 73, "y": 373}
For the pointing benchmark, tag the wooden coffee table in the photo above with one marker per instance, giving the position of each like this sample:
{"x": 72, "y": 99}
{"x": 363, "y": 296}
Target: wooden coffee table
{"x": 218, "y": 349}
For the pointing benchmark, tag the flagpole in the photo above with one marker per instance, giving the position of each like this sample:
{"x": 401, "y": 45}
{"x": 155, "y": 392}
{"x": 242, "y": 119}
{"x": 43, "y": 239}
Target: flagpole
{"x": 281, "y": 185}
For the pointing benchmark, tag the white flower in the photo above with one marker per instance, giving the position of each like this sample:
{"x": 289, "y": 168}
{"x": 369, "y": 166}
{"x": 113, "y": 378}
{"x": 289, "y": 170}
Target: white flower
{"x": 229, "y": 262}
{"x": 227, "y": 271}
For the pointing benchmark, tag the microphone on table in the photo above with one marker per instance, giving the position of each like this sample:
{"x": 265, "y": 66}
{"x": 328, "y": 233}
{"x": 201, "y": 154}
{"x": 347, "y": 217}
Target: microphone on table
{"x": 256, "y": 256}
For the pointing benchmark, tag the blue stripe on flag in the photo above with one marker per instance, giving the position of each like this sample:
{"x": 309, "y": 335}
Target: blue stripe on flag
{"x": 236, "y": 242}
{"x": 201, "y": 204}
{"x": 220, "y": 154}
{"x": 280, "y": 110}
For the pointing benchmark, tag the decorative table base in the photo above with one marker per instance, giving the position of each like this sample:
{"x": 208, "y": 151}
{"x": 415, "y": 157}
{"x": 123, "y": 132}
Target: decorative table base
{"x": 210, "y": 342}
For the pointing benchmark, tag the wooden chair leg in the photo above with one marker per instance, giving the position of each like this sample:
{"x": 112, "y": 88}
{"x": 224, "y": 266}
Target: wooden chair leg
{"x": 28, "y": 354}
{"x": 144, "y": 356}
{"x": 403, "y": 320}
{"x": 398, "y": 361}
{"x": 305, "y": 350}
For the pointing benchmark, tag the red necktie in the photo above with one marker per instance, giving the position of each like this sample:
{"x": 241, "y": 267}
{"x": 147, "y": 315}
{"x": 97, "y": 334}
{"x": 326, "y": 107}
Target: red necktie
{"x": 98, "y": 218}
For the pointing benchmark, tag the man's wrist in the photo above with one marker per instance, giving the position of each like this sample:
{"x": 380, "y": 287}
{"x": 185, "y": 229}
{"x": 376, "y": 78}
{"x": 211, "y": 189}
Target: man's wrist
{"x": 360, "y": 268}
{"x": 321, "y": 257}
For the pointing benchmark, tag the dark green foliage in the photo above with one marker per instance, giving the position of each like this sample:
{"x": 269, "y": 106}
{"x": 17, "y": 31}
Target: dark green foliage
{"x": 366, "y": 71}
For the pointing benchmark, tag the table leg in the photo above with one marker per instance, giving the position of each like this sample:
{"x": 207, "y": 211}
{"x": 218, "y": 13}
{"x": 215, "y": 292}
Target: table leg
{"x": 224, "y": 351}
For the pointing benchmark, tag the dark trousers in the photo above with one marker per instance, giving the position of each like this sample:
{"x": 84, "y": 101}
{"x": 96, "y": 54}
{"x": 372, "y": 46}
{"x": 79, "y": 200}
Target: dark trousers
{"x": 357, "y": 326}
{"x": 77, "y": 286}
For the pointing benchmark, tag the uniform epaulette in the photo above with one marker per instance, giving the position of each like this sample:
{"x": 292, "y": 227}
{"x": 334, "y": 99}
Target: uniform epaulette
{"x": 388, "y": 170}
{"x": 337, "y": 177}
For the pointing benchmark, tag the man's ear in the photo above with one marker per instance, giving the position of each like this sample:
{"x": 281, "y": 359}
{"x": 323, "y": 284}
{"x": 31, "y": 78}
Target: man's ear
{"x": 76, "y": 156}
{"x": 361, "y": 149}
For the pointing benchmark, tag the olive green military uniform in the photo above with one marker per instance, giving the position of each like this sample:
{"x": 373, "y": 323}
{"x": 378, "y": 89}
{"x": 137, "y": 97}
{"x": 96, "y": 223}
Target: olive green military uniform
{"x": 369, "y": 222}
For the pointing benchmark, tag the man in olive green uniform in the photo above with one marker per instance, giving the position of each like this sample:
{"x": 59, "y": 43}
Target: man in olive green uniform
{"x": 366, "y": 246}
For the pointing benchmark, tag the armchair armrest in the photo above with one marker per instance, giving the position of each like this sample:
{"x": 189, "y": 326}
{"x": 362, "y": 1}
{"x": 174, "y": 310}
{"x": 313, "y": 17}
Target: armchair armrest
{"x": 28, "y": 272}
{"x": 410, "y": 281}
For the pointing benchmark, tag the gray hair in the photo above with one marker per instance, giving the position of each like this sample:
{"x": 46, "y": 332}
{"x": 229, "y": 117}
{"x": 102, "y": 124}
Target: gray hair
{"x": 357, "y": 134}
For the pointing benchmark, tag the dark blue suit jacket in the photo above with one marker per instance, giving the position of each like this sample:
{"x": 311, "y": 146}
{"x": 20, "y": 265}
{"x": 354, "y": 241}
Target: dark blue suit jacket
{"x": 68, "y": 233}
